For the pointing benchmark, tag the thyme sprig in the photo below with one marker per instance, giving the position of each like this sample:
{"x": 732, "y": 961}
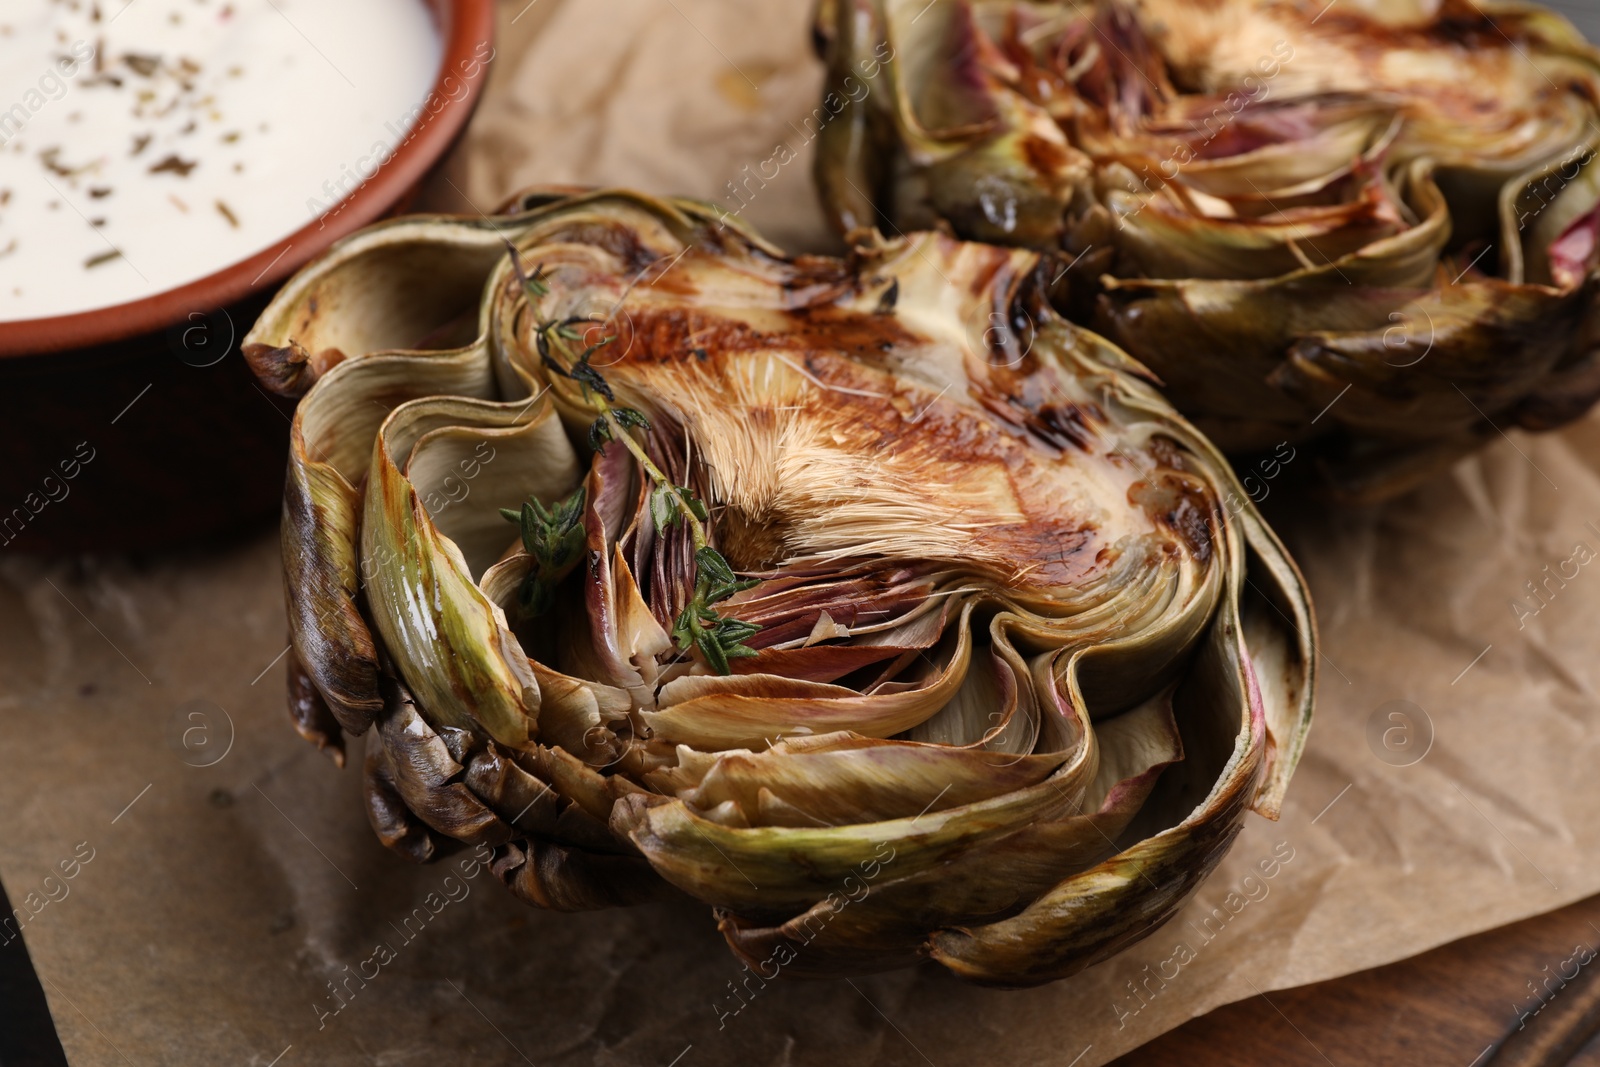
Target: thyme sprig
{"x": 718, "y": 637}
{"x": 699, "y": 625}
{"x": 554, "y": 538}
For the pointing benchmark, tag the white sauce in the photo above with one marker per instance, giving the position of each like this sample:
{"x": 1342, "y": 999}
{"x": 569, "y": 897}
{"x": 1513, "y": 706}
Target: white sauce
{"x": 145, "y": 144}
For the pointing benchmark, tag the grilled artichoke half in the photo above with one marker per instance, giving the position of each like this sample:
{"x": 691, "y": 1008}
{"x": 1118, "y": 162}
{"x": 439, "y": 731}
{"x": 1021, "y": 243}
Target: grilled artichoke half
{"x": 1374, "y": 224}
{"x": 992, "y": 653}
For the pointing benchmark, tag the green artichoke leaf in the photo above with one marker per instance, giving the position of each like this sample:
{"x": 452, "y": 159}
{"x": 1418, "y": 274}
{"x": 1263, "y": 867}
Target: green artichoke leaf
{"x": 1228, "y": 337}
{"x": 1305, "y": 148}
{"x": 743, "y": 711}
{"x": 456, "y": 642}
{"x": 846, "y": 145}
{"x": 466, "y": 476}
{"x": 831, "y": 779}
{"x": 764, "y": 869}
{"x": 1539, "y": 212}
{"x": 410, "y": 285}
{"x": 1091, "y": 915}
{"x": 880, "y": 920}
{"x": 575, "y": 714}
{"x": 330, "y": 441}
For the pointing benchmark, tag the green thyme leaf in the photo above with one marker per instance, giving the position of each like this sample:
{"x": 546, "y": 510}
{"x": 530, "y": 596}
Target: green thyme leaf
{"x": 541, "y": 339}
{"x": 532, "y": 284}
{"x": 717, "y": 579}
{"x": 532, "y": 528}
{"x": 631, "y": 417}
{"x": 590, "y": 379}
{"x": 569, "y": 513}
{"x": 686, "y": 626}
{"x": 713, "y": 568}
{"x": 712, "y": 650}
{"x": 663, "y": 507}
{"x": 732, "y": 632}
{"x": 554, "y": 538}
{"x": 599, "y": 434}
{"x": 718, "y": 593}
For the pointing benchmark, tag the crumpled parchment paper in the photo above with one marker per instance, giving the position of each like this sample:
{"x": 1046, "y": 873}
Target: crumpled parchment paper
{"x": 237, "y": 909}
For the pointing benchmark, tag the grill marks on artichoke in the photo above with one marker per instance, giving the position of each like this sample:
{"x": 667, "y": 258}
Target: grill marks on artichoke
{"x": 994, "y": 597}
{"x": 841, "y": 438}
{"x": 839, "y": 477}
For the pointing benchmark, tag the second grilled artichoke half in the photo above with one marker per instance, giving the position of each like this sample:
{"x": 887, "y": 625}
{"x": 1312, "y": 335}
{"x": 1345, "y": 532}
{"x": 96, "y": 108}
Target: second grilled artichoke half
{"x": 866, "y": 601}
{"x": 1373, "y": 224}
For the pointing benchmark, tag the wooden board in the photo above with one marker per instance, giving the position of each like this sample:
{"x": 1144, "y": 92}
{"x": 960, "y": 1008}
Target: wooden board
{"x": 1461, "y": 1005}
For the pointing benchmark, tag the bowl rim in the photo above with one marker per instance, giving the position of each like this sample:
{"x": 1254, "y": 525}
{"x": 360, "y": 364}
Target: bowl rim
{"x": 466, "y": 26}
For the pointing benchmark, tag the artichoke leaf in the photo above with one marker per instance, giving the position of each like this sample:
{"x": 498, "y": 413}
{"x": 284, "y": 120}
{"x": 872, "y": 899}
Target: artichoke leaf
{"x": 521, "y": 799}
{"x": 1301, "y": 145}
{"x": 313, "y": 720}
{"x": 861, "y": 780}
{"x": 845, "y": 145}
{"x": 396, "y": 826}
{"x": 408, "y": 285}
{"x": 574, "y": 712}
{"x": 1491, "y": 341}
{"x": 617, "y": 638}
{"x": 745, "y": 711}
{"x": 1091, "y": 915}
{"x": 456, "y": 642}
{"x": 995, "y": 708}
{"x": 559, "y": 878}
{"x": 763, "y": 869}
{"x": 330, "y": 445}
{"x": 593, "y": 794}
{"x": 1540, "y": 207}
{"x": 878, "y": 919}
{"x": 1279, "y": 634}
{"x": 465, "y": 475}
{"x": 427, "y": 777}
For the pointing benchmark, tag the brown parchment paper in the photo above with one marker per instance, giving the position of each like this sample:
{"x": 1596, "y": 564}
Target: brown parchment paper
{"x": 1448, "y": 786}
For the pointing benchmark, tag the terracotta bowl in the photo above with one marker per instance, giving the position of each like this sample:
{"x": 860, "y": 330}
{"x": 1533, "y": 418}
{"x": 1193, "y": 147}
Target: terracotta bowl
{"x": 140, "y": 426}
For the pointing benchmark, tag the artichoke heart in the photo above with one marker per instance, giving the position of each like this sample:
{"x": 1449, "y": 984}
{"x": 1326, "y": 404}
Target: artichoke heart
{"x": 866, "y": 600}
{"x": 1372, "y": 227}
